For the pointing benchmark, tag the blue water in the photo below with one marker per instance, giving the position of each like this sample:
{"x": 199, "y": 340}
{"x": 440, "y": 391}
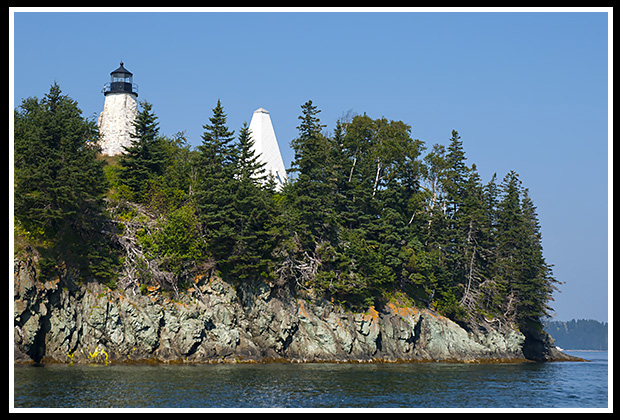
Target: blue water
{"x": 565, "y": 384}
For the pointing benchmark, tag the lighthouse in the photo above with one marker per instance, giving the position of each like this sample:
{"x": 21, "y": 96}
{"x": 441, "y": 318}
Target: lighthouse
{"x": 119, "y": 111}
{"x": 266, "y": 145}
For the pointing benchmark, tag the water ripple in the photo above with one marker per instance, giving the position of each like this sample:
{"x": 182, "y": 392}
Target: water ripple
{"x": 315, "y": 385}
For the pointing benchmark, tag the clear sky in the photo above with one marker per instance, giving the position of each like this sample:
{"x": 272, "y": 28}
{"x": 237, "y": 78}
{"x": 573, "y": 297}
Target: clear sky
{"x": 526, "y": 91}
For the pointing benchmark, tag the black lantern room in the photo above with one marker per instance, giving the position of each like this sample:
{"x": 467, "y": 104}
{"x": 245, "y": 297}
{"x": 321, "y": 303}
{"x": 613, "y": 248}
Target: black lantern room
{"x": 121, "y": 81}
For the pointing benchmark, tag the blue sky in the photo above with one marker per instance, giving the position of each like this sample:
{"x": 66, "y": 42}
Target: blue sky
{"x": 526, "y": 91}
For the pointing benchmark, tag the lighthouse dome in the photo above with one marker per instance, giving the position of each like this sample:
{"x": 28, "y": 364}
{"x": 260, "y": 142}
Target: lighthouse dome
{"x": 121, "y": 81}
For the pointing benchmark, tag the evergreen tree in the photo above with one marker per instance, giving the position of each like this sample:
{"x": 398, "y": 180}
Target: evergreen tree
{"x": 310, "y": 139}
{"x": 144, "y": 160}
{"x": 60, "y": 184}
{"x": 357, "y": 207}
{"x": 509, "y": 241}
{"x": 490, "y": 197}
{"x": 214, "y": 187}
{"x": 217, "y": 149}
{"x": 579, "y": 334}
{"x": 312, "y": 189}
{"x": 363, "y": 218}
{"x": 248, "y": 164}
{"x": 56, "y": 174}
{"x": 457, "y": 245}
{"x": 253, "y": 214}
{"x": 457, "y": 173}
{"x": 535, "y": 285}
{"x": 339, "y": 160}
{"x": 474, "y": 226}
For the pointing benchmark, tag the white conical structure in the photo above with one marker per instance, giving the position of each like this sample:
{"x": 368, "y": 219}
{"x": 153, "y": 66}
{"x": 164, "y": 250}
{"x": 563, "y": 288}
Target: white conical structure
{"x": 266, "y": 145}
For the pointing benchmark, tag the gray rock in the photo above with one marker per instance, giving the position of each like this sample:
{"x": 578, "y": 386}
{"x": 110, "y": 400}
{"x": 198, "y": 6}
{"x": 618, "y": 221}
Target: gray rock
{"x": 61, "y": 321}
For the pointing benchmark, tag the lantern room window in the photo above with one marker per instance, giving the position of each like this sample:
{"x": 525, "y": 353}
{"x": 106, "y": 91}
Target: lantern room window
{"x": 121, "y": 77}
{"x": 121, "y": 80}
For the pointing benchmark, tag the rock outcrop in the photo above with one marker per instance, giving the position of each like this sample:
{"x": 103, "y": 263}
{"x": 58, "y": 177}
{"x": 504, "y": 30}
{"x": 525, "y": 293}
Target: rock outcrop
{"x": 61, "y": 321}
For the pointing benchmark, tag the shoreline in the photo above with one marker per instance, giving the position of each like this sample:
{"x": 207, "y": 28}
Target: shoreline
{"x": 275, "y": 360}
{"x": 63, "y": 322}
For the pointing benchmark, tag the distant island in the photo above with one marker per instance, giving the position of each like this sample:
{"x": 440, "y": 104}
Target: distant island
{"x": 582, "y": 334}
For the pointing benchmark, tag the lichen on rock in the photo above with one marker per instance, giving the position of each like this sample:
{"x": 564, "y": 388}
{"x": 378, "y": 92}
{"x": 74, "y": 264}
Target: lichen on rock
{"x": 61, "y": 321}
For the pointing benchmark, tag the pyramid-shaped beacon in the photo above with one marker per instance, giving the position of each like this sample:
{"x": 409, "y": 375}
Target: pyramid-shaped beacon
{"x": 266, "y": 145}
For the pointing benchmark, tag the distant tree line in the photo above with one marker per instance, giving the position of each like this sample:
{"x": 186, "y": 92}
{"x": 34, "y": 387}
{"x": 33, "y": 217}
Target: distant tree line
{"x": 369, "y": 214}
{"x": 581, "y": 334}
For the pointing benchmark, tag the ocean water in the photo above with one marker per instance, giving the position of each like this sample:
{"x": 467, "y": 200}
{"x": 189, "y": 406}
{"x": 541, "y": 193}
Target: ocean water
{"x": 274, "y": 385}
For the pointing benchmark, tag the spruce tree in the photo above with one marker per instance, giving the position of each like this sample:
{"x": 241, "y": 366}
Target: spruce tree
{"x": 457, "y": 172}
{"x": 248, "y": 164}
{"x": 506, "y": 269}
{"x": 60, "y": 184}
{"x": 57, "y": 176}
{"x": 252, "y": 214}
{"x": 217, "y": 146}
{"x": 144, "y": 160}
{"x": 312, "y": 188}
{"x": 474, "y": 226}
{"x": 214, "y": 187}
{"x": 457, "y": 241}
{"x": 535, "y": 284}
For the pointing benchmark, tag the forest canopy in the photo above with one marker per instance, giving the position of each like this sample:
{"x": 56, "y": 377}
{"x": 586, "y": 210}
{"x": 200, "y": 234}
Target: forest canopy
{"x": 370, "y": 213}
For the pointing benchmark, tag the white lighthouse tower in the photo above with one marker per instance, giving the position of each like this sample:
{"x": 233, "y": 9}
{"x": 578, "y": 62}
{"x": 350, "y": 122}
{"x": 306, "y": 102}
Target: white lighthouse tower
{"x": 266, "y": 145}
{"x": 119, "y": 111}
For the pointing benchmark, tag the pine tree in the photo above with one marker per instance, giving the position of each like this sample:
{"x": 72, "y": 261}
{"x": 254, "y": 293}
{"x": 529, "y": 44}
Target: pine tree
{"x": 214, "y": 191}
{"x": 490, "y": 197}
{"x": 56, "y": 174}
{"x": 457, "y": 172}
{"x": 362, "y": 219}
{"x": 253, "y": 214}
{"x": 312, "y": 190}
{"x": 459, "y": 226}
{"x": 475, "y": 227}
{"x": 248, "y": 164}
{"x": 144, "y": 160}
{"x": 310, "y": 140}
{"x": 535, "y": 285}
{"x": 60, "y": 184}
{"x": 506, "y": 269}
{"x": 216, "y": 149}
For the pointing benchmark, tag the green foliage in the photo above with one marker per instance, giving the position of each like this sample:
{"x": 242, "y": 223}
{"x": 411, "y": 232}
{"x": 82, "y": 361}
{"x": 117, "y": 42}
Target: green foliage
{"x": 177, "y": 240}
{"x": 143, "y": 162}
{"x": 234, "y": 202}
{"x": 60, "y": 185}
{"x": 213, "y": 195}
{"x": 377, "y": 218}
{"x": 366, "y": 215}
{"x": 249, "y": 168}
{"x": 311, "y": 193}
{"x": 56, "y": 171}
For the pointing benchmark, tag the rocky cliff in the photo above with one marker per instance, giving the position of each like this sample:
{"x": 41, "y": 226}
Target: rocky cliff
{"x": 63, "y": 321}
